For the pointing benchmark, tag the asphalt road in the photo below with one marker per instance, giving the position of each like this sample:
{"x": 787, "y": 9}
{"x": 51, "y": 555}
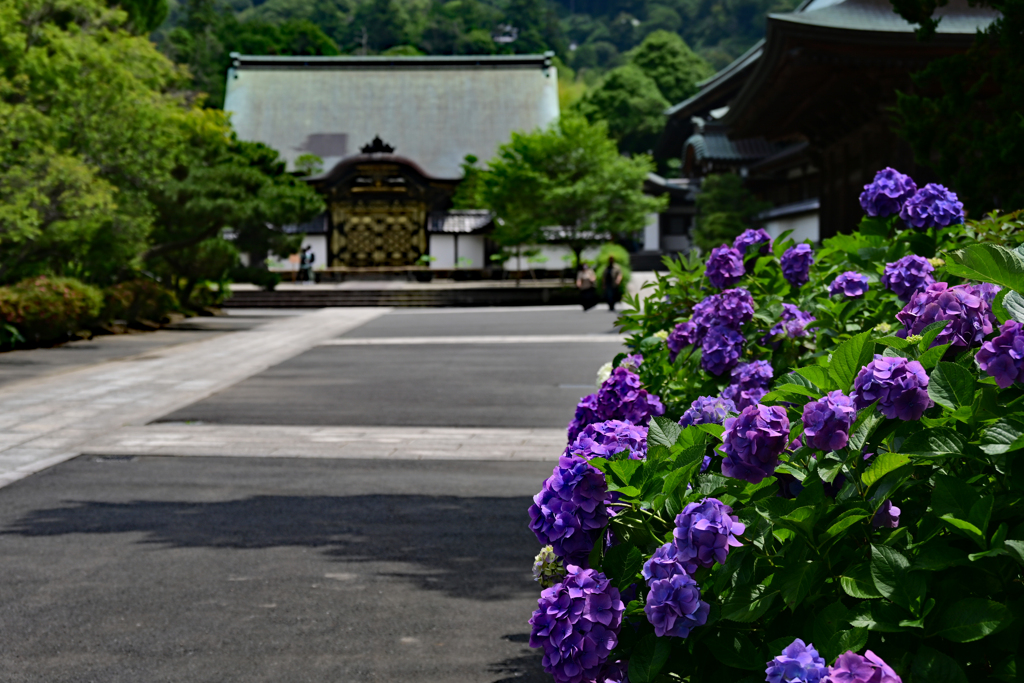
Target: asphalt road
{"x": 222, "y": 570}
{"x": 444, "y": 385}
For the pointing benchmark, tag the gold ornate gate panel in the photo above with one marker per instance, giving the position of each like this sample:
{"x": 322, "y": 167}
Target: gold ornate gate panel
{"x": 378, "y": 233}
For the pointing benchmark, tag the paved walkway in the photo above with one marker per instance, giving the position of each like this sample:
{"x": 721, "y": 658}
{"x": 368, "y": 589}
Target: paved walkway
{"x": 49, "y": 420}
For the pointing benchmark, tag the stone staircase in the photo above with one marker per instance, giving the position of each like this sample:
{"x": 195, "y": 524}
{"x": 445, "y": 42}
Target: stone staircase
{"x": 315, "y": 297}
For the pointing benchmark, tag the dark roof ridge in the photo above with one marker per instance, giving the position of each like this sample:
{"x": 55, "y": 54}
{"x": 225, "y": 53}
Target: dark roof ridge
{"x": 431, "y": 61}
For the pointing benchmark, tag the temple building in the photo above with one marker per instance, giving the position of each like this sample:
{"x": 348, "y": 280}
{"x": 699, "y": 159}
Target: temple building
{"x": 392, "y": 133}
{"x": 804, "y": 115}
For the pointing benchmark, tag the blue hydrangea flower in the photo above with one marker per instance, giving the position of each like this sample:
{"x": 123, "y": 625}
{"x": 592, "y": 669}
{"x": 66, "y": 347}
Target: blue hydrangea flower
{"x": 622, "y": 397}
{"x": 604, "y": 439}
{"x": 933, "y": 206}
{"x": 899, "y": 385}
{"x": 887, "y": 516}
{"x": 851, "y": 667}
{"x": 753, "y": 442}
{"x": 724, "y": 267}
{"x": 707, "y": 410}
{"x": 674, "y": 606}
{"x": 684, "y": 334}
{"x": 970, "y": 317}
{"x": 704, "y": 533}
{"x": 569, "y": 512}
{"x": 1003, "y": 356}
{"x": 721, "y": 349}
{"x": 851, "y": 284}
{"x": 827, "y": 421}
{"x": 750, "y": 382}
{"x": 798, "y": 663}
{"x": 793, "y": 323}
{"x": 796, "y": 264}
{"x": 664, "y": 564}
{"x": 752, "y": 238}
{"x": 908, "y": 275}
{"x": 577, "y": 624}
{"x": 887, "y": 193}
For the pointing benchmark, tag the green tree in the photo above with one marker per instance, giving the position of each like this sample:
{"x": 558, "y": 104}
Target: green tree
{"x": 667, "y": 60}
{"x": 468, "y": 193}
{"x": 566, "y": 185}
{"x": 143, "y": 15}
{"x": 631, "y": 105}
{"x": 725, "y": 208}
{"x": 89, "y": 122}
{"x": 964, "y": 118}
{"x": 224, "y": 187}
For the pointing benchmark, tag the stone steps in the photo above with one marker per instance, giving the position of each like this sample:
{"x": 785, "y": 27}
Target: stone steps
{"x": 404, "y": 298}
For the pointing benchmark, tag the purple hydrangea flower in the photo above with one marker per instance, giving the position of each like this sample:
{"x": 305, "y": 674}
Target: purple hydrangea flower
{"x": 753, "y": 442}
{"x": 988, "y": 291}
{"x": 827, "y": 421}
{"x": 751, "y": 238}
{"x": 1003, "y": 356}
{"x": 908, "y": 275}
{"x": 970, "y": 317}
{"x": 569, "y": 512}
{"x": 793, "y": 323}
{"x": 586, "y": 413}
{"x": 732, "y": 308}
{"x": 721, "y": 349}
{"x": 750, "y": 382}
{"x": 685, "y": 334}
{"x": 632, "y": 362}
{"x": 724, "y": 266}
{"x": 577, "y": 624}
{"x": 674, "y": 606}
{"x": 798, "y": 663}
{"x": 851, "y": 284}
{"x": 887, "y": 516}
{"x": 854, "y": 668}
{"x": 604, "y": 439}
{"x": 704, "y": 533}
{"x": 664, "y": 564}
{"x": 622, "y": 398}
{"x": 899, "y": 385}
{"x": 933, "y": 206}
{"x": 707, "y": 410}
{"x": 796, "y": 264}
{"x": 887, "y": 193}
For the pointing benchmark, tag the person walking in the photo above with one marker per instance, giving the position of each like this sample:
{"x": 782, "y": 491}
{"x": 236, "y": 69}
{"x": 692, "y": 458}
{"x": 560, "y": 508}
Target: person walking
{"x": 586, "y": 283}
{"x": 612, "y": 283}
{"x": 306, "y": 264}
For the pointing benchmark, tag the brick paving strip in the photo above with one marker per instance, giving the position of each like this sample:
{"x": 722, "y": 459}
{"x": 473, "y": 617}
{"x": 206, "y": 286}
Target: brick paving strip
{"x": 46, "y": 421}
{"x": 103, "y": 409}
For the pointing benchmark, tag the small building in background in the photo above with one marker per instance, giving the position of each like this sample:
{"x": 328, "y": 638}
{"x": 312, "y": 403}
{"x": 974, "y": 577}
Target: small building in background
{"x": 804, "y": 116}
{"x": 392, "y": 133}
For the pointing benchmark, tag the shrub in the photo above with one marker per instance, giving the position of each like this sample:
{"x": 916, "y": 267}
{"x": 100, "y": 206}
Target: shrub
{"x": 138, "y": 300}
{"x": 47, "y": 309}
{"x": 868, "y": 500}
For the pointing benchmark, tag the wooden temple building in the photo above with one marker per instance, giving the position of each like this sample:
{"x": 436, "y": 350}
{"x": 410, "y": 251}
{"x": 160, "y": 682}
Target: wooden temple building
{"x": 392, "y": 133}
{"x": 804, "y": 116}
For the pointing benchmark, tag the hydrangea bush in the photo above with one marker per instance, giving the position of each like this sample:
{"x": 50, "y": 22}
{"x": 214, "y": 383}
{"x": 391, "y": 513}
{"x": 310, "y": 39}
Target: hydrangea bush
{"x": 816, "y": 473}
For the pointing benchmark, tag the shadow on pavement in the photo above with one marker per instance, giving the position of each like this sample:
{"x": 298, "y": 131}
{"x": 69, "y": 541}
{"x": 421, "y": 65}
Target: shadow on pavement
{"x": 479, "y": 548}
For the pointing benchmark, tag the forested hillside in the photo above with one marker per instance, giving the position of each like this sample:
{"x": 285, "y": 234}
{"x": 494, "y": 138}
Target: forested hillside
{"x": 589, "y": 36}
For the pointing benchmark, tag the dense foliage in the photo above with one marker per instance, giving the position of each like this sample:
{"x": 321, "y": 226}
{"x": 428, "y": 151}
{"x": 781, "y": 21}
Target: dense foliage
{"x": 107, "y": 171}
{"x": 590, "y": 36}
{"x": 827, "y": 478}
{"x": 565, "y": 185}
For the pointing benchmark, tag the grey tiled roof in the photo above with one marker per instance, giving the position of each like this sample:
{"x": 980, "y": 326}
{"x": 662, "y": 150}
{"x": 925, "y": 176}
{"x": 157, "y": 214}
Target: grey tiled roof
{"x": 716, "y": 146}
{"x": 433, "y": 110}
{"x": 878, "y": 15}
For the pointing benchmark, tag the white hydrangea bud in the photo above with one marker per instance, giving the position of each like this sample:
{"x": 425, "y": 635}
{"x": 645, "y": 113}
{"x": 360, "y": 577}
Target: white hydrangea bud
{"x": 547, "y": 568}
{"x": 603, "y": 373}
